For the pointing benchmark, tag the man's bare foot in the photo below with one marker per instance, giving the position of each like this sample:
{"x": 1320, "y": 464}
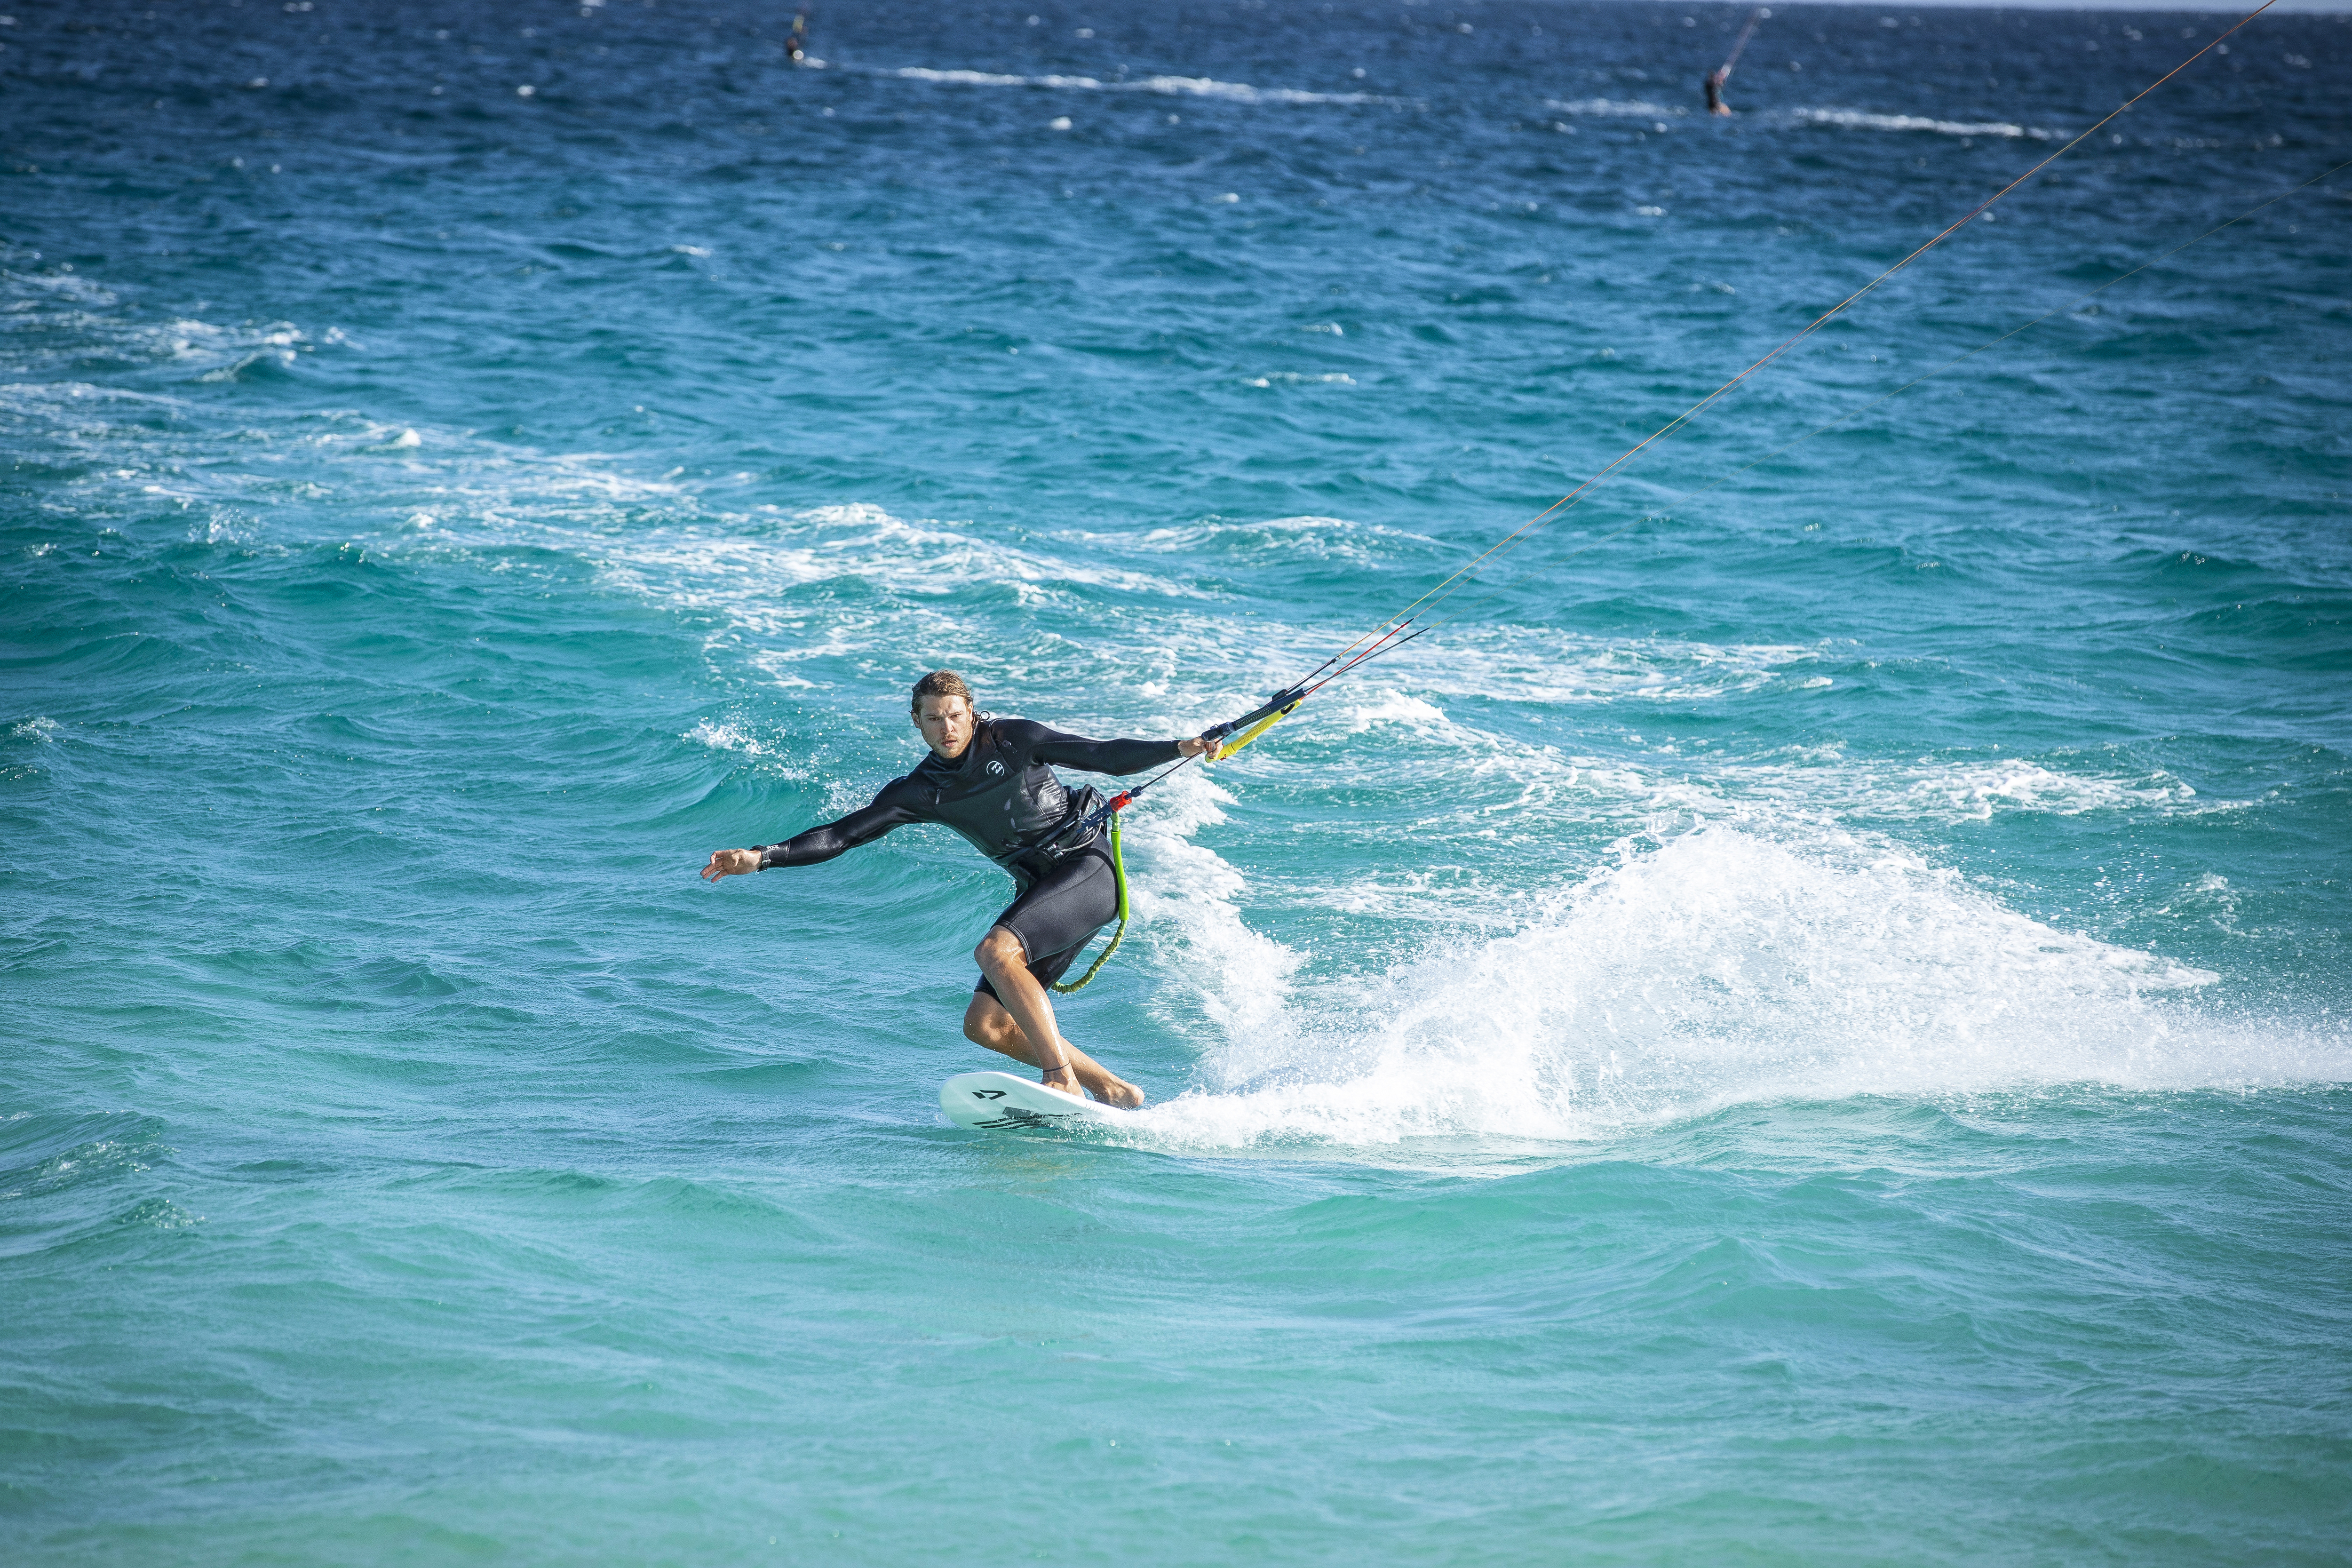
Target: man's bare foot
{"x": 1119, "y": 1093}
{"x": 1063, "y": 1082}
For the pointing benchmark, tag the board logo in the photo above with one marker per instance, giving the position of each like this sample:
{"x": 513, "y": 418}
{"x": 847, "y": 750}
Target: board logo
{"x": 988, "y": 1094}
{"x": 1017, "y": 1116}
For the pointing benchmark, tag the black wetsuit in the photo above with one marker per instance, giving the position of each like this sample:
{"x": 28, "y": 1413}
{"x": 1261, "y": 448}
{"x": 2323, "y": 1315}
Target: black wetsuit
{"x": 1002, "y": 796}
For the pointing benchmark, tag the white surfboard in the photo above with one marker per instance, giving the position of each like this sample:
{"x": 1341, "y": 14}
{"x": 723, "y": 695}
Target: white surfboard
{"x": 999, "y": 1102}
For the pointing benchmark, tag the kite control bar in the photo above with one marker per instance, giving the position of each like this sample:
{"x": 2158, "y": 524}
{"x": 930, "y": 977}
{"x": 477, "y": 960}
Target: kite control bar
{"x": 1254, "y": 722}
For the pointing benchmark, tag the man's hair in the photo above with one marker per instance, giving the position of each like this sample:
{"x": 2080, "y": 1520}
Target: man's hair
{"x": 941, "y": 683}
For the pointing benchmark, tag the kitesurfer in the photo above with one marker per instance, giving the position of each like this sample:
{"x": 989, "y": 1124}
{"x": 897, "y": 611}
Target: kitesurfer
{"x": 1722, "y": 73}
{"x": 991, "y": 780}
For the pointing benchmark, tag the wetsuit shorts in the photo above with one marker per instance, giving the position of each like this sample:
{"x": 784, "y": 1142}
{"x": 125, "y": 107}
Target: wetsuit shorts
{"x": 1060, "y": 914}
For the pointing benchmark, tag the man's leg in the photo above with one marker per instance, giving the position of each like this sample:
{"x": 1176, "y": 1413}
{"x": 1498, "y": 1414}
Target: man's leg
{"x": 986, "y": 1023}
{"x": 1022, "y": 1012}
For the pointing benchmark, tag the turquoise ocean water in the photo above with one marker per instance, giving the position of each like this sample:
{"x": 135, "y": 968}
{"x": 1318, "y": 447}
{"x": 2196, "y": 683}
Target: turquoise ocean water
{"x": 1805, "y": 1027}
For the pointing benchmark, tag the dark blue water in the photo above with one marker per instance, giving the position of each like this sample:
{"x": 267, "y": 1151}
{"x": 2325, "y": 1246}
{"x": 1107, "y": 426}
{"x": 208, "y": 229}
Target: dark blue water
{"x": 1803, "y": 1024}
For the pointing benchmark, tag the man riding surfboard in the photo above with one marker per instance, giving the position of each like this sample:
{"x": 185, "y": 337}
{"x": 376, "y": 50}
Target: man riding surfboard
{"x": 991, "y": 780}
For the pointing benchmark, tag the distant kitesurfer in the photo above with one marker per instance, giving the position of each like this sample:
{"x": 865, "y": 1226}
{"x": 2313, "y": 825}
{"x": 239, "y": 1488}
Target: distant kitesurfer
{"x": 991, "y": 780}
{"x": 1722, "y": 73}
{"x": 796, "y": 46}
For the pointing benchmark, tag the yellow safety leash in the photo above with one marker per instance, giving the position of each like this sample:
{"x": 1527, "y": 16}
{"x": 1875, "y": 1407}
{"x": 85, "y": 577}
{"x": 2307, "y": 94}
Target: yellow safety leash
{"x": 1118, "y": 868}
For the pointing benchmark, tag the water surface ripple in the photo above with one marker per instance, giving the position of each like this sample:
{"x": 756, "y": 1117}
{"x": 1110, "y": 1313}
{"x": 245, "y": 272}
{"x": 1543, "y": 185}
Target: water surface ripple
{"x": 1805, "y": 1027}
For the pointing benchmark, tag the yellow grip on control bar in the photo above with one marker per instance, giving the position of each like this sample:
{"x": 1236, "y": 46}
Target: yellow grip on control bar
{"x": 1253, "y": 733}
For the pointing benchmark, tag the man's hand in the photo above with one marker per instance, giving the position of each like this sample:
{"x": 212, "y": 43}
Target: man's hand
{"x": 730, "y": 863}
{"x": 1198, "y": 745}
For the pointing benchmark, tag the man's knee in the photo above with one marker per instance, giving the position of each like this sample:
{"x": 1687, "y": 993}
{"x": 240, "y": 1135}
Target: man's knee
{"x": 998, "y": 951}
{"x": 985, "y": 1022}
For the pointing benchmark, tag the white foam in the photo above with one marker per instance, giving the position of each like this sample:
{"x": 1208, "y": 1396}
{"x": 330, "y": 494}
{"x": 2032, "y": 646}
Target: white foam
{"x": 1720, "y": 968}
{"x": 1632, "y": 109}
{"x": 1555, "y": 668}
{"x": 725, "y": 737}
{"x": 1166, "y": 86}
{"x": 2208, "y": 898}
{"x": 443, "y": 491}
{"x": 1845, "y": 118}
{"x": 1393, "y": 707}
{"x": 719, "y": 562}
{"x": 1809, "y": 787}
{"x": 1969, "y": 791}
{"x": 1186, "y": 895}
{"x": 75, "y": 324}
{"x": 69, "y": 286}
{"x": 1310, "y": 537}
{"x": 76, "y": 397}
{"x": 1858, "y": 120}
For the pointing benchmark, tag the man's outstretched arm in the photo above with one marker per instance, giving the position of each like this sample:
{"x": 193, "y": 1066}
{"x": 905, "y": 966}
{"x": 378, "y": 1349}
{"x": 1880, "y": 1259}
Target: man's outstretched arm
{"x": 863, "y": 825}
{"x": 1059, "y": 751}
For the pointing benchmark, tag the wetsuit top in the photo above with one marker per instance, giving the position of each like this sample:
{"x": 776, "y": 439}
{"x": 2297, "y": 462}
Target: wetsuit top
{"x": 1000, "y": 794}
